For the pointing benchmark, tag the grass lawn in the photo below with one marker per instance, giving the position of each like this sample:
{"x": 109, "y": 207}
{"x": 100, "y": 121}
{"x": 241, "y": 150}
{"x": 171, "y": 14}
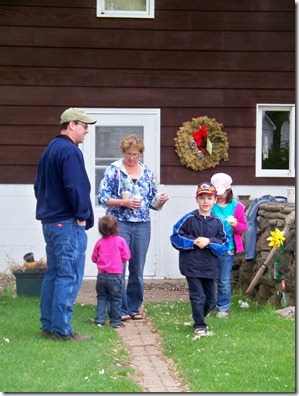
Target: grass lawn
{"x": 30, "y": 363}
{"x": 251, "y": 351}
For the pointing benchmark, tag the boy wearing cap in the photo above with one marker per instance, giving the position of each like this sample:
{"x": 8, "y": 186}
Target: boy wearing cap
{"x": 62, "y": 190}
{"x": 200, "y": 237}
{"x": 232, "y": 213}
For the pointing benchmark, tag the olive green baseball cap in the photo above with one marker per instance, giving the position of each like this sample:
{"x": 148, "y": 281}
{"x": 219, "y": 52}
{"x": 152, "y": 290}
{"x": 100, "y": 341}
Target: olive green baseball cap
{"x": 75, "y": 114}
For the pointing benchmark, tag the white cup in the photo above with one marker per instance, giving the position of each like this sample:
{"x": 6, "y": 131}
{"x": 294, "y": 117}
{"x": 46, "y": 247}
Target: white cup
{"x": 126, "y": 194}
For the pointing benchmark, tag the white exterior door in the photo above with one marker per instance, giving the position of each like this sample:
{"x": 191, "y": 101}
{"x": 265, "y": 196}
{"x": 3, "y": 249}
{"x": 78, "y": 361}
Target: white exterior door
{"x": 101, "y": 147}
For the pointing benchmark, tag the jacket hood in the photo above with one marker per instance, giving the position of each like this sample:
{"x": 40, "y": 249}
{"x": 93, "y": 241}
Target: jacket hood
{"x": 118, "y": 164}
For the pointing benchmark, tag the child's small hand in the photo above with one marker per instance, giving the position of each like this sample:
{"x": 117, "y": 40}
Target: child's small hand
{"x": 201, "y": 242}
{"x": 232, "y": 221}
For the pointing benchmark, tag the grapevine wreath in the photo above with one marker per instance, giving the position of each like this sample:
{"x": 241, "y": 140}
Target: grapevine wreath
{"x": 201, "y": 144}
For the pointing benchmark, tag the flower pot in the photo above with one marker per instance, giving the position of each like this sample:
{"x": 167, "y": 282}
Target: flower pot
{"x": 28, "y": 283}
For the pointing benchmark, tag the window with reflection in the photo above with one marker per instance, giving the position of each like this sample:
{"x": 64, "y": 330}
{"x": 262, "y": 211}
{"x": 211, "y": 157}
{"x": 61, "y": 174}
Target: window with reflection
{"x": 275, "y": 140}
{"x": 106, "y": 148}
{"x": 125, "y": 8}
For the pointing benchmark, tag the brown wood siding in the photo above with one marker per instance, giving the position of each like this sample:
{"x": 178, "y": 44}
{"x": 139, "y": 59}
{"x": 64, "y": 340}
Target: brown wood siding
{"x": 195, "y": 58}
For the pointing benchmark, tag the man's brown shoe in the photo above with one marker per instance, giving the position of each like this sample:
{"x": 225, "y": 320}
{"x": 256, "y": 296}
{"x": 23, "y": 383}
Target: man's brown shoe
{"x": 46, "y": 333}
{"x": 71, "y": 337}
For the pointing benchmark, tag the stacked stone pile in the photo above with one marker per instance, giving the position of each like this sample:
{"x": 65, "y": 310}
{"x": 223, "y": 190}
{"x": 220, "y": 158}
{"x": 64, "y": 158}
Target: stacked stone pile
{"x": 268, "y": 289}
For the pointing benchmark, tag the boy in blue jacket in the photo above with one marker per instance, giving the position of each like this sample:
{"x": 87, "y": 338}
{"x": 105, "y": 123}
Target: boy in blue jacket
{"x": 200, "y": 238}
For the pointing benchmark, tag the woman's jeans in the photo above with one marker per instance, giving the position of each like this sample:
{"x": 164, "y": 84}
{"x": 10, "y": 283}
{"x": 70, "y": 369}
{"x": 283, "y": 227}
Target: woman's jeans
{"x": 66, "y": 244}
{"x": 202, "y": 298}
{"x": 224, "y": 284}
{"x": 137, "y": 236}
{"x": 109, "y": 288}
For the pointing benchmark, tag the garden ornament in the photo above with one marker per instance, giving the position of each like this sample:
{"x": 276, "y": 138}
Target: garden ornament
{"x": 276, "y": 241}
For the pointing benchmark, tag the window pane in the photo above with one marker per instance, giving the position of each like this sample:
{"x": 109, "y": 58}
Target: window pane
{"x": 275, "y": 139}
{"x": 125, "y": 5}
{"x": 107, "y": 149}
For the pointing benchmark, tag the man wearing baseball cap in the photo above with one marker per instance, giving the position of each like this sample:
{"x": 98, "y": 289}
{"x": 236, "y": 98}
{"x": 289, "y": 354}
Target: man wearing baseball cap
{"x": 62, "y": 190}
{"x": 74, "y": 114}
{"x": 200, "y": 237}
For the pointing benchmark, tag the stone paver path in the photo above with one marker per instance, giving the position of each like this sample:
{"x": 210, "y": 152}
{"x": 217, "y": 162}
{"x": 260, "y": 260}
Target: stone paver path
{"x": 157, "y": 374}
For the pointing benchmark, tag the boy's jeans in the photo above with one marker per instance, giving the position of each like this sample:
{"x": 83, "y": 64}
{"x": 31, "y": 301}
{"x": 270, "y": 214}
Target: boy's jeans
{"x": 66, "y": 244}
{"x": 225, "y": 261}
{"x": 202, "y": 298}
{"x": 108, "y": 287}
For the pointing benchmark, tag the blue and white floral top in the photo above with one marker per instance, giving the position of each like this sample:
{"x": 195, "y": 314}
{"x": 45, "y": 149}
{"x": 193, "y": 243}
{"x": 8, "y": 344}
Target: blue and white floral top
{"x": 116, "y": 180}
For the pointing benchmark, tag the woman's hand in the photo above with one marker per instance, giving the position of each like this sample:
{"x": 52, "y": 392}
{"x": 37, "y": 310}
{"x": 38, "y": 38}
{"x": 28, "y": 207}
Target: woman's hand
{"x": 163, "y": 198}
{"x": 133, "y": 203}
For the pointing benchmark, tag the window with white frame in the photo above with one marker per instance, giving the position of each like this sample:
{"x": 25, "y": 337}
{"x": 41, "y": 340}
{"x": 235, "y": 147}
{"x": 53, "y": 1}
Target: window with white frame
{"x": 275, "y": 140}
{"x": 126, "y": 8}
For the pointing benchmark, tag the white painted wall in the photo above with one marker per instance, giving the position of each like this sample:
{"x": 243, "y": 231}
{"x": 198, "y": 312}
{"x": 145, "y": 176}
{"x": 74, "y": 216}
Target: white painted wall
{"x": 20, "y": 233}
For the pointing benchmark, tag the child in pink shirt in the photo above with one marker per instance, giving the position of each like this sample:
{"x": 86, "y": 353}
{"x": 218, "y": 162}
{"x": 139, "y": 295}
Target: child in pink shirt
{"x": 109, "y": 253}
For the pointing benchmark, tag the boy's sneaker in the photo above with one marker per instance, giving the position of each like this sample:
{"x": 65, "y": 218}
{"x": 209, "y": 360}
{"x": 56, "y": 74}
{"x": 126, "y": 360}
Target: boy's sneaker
{"x": 210, "y": 311}
{"x": 118, "y": 325}
{"x": 222, "y": 314}
{"x": 201, "y": 332}
{"x": 100, "y": 324}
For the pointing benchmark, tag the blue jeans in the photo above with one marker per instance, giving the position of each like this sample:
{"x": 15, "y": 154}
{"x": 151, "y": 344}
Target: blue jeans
{"x": 137, "y": 236}
{"x": 202, "y": 298}
{"x": 108, "y": 287}
{"x": 66, "y": 244}
{"x": 224, "y": 285}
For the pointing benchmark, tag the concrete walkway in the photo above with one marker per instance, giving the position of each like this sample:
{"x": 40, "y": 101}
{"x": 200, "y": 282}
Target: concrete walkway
{"x": 156, "y": 372}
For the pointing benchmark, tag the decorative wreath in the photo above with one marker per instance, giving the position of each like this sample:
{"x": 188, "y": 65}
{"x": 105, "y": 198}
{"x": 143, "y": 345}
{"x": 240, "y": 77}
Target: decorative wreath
{"x": 201, "y": 144}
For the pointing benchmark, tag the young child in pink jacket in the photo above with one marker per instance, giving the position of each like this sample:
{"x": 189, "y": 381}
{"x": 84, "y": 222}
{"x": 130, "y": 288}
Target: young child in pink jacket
{"x": 232, "y": 213}
{"x": 109, "y": 253}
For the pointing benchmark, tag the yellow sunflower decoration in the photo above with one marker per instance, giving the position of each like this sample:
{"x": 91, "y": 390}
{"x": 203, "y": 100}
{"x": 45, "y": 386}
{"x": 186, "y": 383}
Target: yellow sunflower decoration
{"x": 201, "y": 143}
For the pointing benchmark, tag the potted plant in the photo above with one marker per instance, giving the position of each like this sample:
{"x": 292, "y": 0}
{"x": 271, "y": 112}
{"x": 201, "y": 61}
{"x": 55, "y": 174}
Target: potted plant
{"x": 29, "y": 275}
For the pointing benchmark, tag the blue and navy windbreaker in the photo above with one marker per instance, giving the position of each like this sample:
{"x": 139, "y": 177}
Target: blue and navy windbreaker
{"x": 193, "y": 261}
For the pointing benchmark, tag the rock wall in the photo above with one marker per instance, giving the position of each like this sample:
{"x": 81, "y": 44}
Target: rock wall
{"x": 268, "y": 289}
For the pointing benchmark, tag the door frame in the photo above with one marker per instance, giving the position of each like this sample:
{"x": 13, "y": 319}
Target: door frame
{"x": 150, "y": 120}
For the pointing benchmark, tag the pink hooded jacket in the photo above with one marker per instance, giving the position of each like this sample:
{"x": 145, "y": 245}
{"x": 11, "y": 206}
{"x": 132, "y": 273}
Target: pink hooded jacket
{"x": 241, "y": 227}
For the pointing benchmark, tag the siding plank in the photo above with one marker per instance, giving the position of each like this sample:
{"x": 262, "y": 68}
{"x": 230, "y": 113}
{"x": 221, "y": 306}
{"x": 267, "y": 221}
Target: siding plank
{"x": 141, "y": 39}
{"x": 169, "y": 5}
{"x": 242, "y": 156}
{"x": 241, "y": 176}
{"x": 152, "y": 60}
{"x": 17, "y": 174}
{"x": 164, "y": 19}
{"x": 136, "y": 97}
{"x": 46, "y": 76}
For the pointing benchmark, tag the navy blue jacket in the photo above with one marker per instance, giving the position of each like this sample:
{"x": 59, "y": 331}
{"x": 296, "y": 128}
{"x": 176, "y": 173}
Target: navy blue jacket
{"x": 193, "y": 261}
{"x": 62, "y": 187}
